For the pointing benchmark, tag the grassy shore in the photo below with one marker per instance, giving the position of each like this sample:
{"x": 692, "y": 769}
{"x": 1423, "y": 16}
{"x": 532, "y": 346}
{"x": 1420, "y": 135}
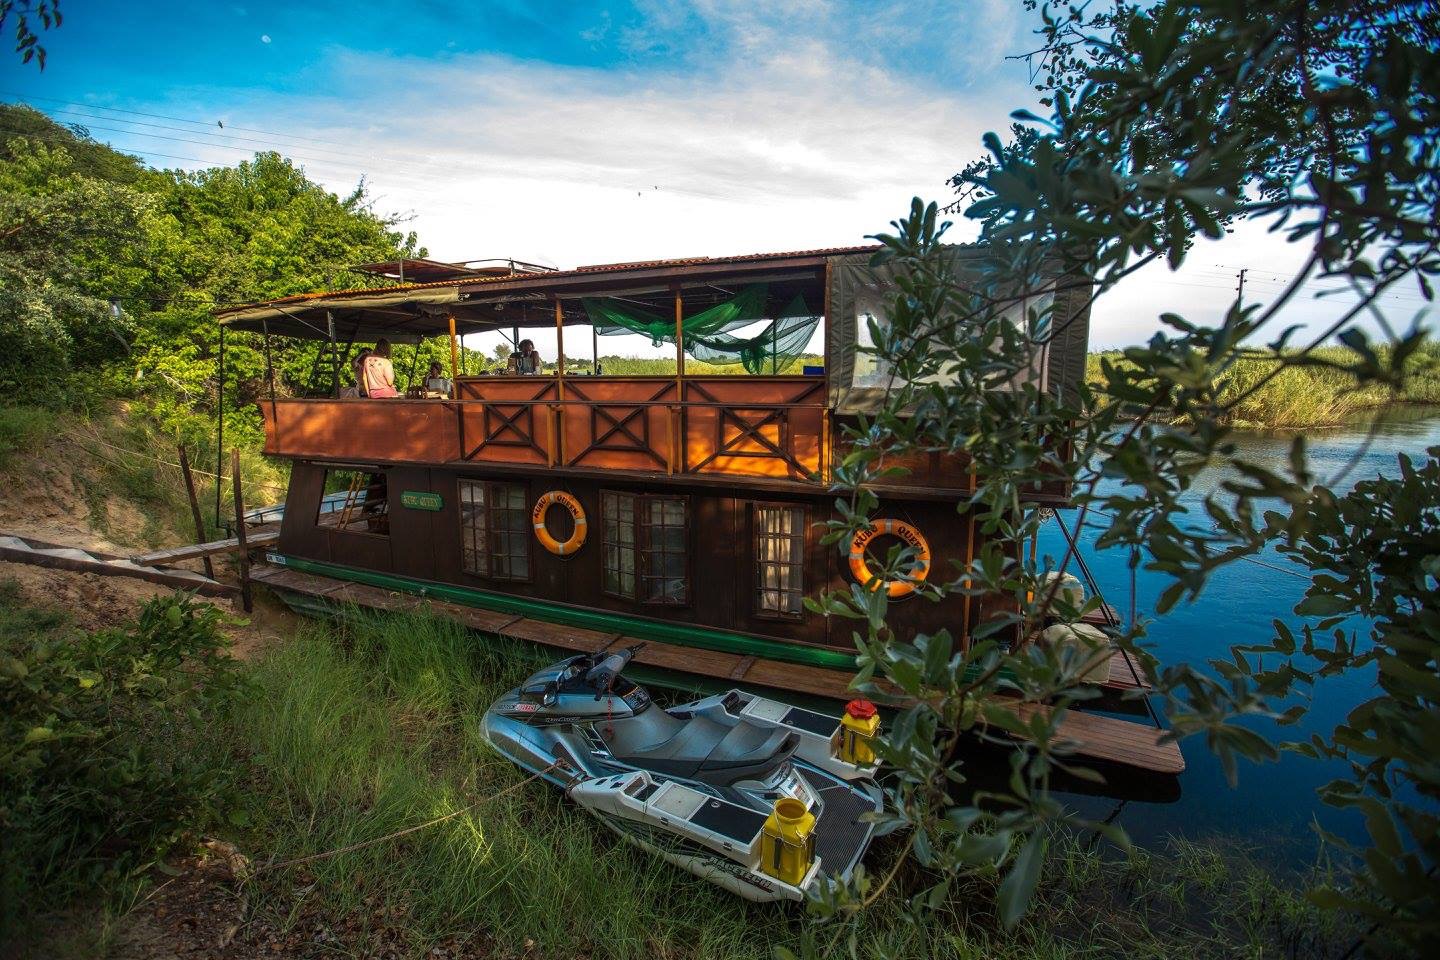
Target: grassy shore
{"x": 1301, "y": 397}
{"x": 349, "y": 732}
{"x": 366, "y": 728}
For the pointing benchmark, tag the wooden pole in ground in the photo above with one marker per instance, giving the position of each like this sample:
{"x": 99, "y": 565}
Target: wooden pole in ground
{"x": 240, "y": 531}
{"x": 195, "y": 508}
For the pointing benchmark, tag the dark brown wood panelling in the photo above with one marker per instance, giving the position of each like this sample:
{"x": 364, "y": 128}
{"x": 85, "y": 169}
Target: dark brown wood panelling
{"x": 427, "y": 545}
{"x": 412, "y": 533}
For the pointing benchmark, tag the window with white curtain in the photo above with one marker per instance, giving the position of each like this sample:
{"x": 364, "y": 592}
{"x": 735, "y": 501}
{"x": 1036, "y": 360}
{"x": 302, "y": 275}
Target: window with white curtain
{"x": 779, "y": 561}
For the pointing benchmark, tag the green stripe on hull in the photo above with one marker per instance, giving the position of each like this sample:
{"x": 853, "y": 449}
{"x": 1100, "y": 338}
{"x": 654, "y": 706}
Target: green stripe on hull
{"x": 685, "y": 635}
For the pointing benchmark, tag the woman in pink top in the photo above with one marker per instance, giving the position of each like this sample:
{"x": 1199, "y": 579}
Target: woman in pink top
{"x": 379, "y": 373}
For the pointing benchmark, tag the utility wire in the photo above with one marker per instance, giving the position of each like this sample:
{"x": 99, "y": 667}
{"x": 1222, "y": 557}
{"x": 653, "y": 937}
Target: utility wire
{"x": 161, "y": 116}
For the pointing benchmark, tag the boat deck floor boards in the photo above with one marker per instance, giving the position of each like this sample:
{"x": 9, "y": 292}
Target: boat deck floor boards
{"x": 1091, "y": 735}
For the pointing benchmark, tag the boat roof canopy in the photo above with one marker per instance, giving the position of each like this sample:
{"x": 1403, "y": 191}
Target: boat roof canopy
{"x": 526, "y": 297}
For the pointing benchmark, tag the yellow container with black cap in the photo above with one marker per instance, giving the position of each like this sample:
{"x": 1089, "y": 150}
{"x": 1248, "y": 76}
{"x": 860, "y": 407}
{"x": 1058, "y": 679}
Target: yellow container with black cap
{"x": 787, "y": 842}
{"x": 858, "y": 727}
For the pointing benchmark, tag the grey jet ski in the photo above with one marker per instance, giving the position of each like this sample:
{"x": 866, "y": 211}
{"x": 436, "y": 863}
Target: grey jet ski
{"x": 695, "y": 784}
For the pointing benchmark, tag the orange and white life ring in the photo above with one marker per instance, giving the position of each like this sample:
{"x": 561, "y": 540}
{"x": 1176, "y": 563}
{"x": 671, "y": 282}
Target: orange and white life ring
{"x": 542, "y": 533}
{"x": 861, "y": 571}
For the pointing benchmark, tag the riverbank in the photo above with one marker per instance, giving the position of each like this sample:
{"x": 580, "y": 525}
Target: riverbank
{"x": 347, "y": 733}
{"x": 1304, "y": 397}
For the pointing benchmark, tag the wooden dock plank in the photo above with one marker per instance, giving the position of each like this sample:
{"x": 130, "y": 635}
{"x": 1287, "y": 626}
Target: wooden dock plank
{"x": 1093, "y": 736}
{"x": 1121, "y": 675}
{"x": 1106, "y": 738}
{"x": 59, "y": 557}
{"x": 555, "y": 635}
{"x": 195, "y": 551}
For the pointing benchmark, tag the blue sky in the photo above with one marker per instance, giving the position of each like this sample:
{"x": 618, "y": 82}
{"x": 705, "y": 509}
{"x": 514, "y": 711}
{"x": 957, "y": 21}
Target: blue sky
{"x": 576, "y": 133}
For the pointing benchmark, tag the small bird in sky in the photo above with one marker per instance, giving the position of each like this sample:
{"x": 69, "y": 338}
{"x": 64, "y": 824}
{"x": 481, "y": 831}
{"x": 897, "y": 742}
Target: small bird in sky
{"x": 220, "y": 124}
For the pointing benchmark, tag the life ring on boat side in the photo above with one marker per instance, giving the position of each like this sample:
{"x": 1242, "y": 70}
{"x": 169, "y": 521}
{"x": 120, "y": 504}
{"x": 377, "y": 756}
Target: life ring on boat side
{"x": 861, "y": 571}
{"x": 542, "y": 533}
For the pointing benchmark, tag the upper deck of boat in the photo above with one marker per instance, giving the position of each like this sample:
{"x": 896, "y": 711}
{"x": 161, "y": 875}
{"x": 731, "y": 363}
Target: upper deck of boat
{"x": 761, "y": 430}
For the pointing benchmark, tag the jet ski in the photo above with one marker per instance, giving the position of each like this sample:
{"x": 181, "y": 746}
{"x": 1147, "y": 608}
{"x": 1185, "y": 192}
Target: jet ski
{"x": 758, "y": 796}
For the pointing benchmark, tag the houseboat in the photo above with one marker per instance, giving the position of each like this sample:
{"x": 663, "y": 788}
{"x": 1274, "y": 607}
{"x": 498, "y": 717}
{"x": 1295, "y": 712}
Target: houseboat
{"x": 575, "y": 507}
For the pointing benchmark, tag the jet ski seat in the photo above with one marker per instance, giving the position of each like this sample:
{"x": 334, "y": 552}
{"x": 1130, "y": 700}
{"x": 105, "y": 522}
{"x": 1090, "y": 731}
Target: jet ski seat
{"x": 699, "y": 748}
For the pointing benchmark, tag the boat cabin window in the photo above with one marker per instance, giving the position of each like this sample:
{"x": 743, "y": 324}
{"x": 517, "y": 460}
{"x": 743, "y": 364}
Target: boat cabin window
{"x": 647, "y": 547}
{"x": 356, "y": 501}
{"x": 779, "y": 535}
{"x": 495, "y": 530}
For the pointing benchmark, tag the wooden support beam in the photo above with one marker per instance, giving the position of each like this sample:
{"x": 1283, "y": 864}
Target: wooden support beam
{"x": 245, "y": 599}
{"x": 454, "y": 361}
{"x": 559, "y": 350}
{"x": 195, "y": 508}
{"x": 679, "y": 347}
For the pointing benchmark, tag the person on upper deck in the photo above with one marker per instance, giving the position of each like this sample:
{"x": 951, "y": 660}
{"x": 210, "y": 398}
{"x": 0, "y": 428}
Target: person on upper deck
{"x": 435, "y": 383}
{"x": 524, "y": 360}
{"x": 378, "y": 378}
{"x": 357, "y": 375}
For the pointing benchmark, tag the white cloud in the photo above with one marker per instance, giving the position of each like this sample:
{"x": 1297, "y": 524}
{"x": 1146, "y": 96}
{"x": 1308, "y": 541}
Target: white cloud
{"x": 792, "y": 132}
{"x": 501, "y": 157}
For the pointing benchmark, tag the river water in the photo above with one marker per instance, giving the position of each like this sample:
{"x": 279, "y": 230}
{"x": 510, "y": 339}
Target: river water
{"x": 1274, "y": 805}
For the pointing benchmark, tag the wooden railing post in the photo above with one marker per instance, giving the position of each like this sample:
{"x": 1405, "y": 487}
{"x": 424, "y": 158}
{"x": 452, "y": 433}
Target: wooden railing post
{"x": 245, "y": 600}
{"x": 454, "y": 361}
{"x": 559, "y": 350}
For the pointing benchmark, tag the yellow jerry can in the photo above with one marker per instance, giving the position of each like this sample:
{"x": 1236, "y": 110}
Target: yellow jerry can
{"x": 787, "y": 841}
{"x": 858, "y": 726}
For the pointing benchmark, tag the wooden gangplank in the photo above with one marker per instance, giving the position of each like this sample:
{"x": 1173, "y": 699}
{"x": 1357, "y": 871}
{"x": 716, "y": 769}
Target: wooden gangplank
{"x": 39, "y": 553}
{"x": 195, "y": 551}
{"x": 1088, "y": 735}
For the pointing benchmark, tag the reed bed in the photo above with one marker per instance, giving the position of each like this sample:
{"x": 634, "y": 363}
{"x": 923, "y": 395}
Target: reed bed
{"x": 1305, "y": 397}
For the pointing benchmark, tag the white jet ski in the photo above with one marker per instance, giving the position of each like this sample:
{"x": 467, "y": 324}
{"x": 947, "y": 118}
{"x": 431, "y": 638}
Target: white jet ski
{"x": 697, "y": 783}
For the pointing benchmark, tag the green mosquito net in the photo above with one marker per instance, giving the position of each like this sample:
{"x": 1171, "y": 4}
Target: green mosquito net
{"x": 709, "y": 334}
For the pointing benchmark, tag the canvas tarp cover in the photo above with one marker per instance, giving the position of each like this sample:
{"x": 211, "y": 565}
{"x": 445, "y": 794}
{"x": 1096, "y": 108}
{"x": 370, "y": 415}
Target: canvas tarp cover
{"x": 707, "y": 334}
{"x": 858, "y": 382}
{"x": 306, "y": 318}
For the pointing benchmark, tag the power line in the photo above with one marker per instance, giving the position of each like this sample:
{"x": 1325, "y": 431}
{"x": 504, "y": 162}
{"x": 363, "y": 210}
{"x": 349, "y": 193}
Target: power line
{"x": 206, "y": 143}
{"x": 226, "y": 136}
{"x": 161, "y": 116}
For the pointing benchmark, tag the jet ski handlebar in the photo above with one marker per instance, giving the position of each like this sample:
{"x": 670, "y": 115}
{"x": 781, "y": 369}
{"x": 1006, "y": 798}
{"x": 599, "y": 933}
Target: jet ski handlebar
{"x": 601, "y": 675}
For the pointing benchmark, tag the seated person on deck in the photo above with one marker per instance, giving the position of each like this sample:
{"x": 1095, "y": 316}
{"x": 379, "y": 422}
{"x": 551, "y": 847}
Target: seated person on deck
{"x": 378, "y": 375}
{"x": 436, "y": 385}
{"x": 525, "y": 360}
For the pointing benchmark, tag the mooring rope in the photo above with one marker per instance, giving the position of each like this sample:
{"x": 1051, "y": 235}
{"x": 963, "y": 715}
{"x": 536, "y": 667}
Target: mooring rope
{"x": 351, "y": 848}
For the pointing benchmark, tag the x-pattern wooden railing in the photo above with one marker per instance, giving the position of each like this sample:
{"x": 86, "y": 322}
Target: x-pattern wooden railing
{"x": 750, "y": 421}
{"x": 615, "y": 419}
{"x": 507, "y": 423}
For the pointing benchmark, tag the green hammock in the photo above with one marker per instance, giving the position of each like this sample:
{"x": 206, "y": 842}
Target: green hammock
{"x": 708, "y": 334}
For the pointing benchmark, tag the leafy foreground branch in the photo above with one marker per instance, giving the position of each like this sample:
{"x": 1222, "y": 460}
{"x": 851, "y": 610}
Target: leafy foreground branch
{"x": 1170, "y": 121}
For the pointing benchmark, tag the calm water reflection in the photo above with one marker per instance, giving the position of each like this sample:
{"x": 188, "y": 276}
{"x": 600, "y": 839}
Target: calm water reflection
{"x": 1275, "y": 803}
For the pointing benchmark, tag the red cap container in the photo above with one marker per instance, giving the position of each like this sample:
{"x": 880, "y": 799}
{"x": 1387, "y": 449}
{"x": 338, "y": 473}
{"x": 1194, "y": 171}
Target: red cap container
{"x": 860, "y": 709}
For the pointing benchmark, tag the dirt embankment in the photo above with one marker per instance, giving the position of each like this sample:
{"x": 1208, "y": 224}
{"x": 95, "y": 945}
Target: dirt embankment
{"x": 66, "y": 492}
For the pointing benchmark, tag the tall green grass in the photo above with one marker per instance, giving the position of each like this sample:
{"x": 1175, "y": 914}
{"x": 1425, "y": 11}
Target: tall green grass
{"x": 1300, "y": 397}
{"x": 355, "y": 745}
{"x": 23, "y": 429}
{"x": 371, "y": 725}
